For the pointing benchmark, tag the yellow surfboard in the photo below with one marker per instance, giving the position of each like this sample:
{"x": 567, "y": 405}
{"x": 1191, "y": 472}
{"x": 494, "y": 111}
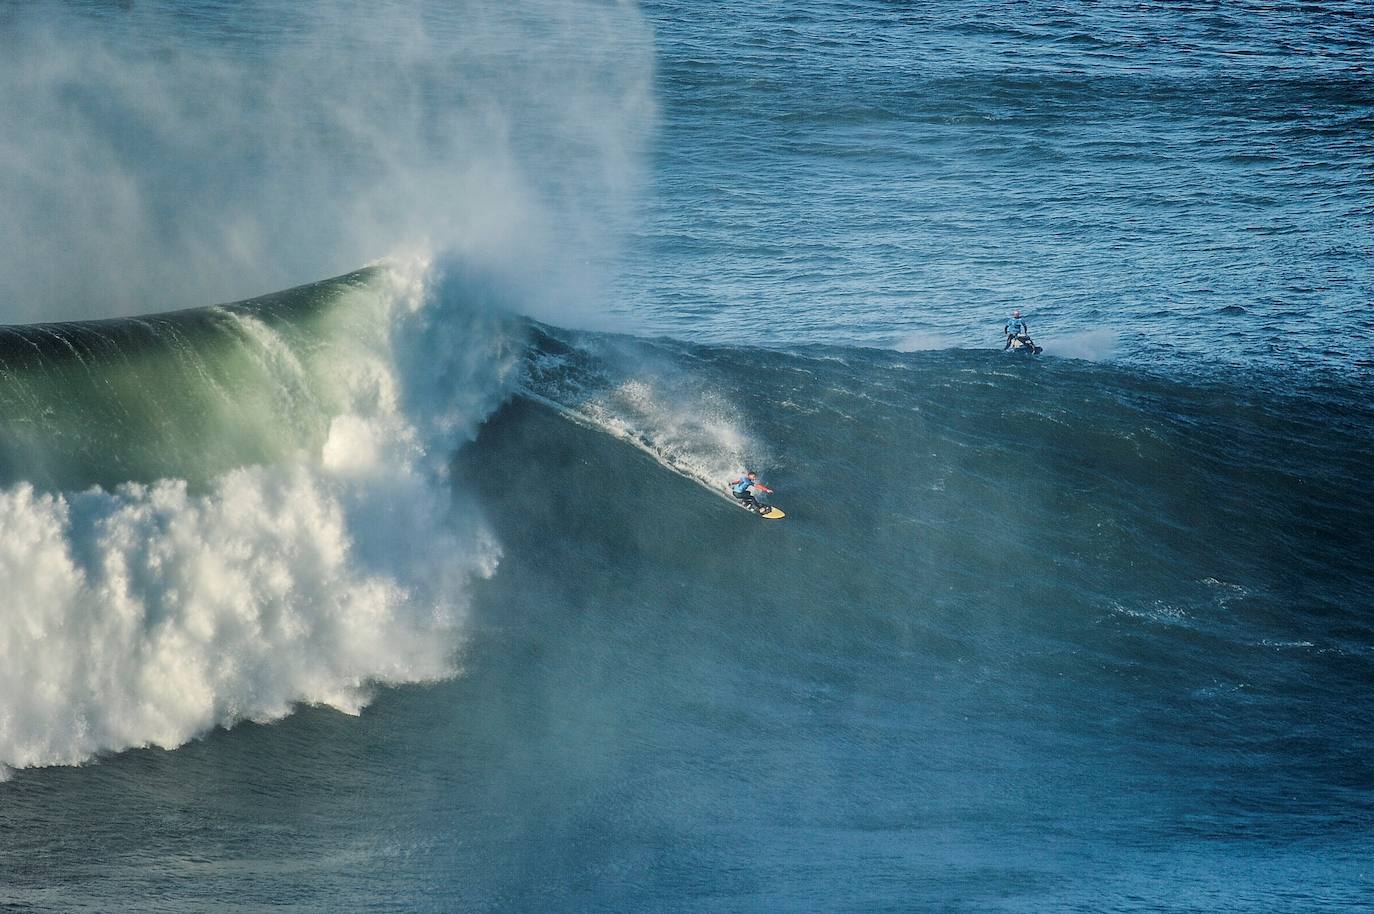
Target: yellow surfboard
{"x": 769, "y": 512}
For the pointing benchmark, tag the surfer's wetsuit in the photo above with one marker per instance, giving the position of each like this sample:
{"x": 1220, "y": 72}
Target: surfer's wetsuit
{"x": 741, "y": 491}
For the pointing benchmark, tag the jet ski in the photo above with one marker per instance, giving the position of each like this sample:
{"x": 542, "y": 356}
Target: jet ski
{"x": 1022, "y": 345}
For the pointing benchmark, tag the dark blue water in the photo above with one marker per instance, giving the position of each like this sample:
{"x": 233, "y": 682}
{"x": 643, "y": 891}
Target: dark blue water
{"x": 1087, "y": 632}
{"x": 1192, "y": 180}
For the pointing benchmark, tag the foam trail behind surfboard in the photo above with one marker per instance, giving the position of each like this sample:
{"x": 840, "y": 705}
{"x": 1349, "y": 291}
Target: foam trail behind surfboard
{"x": 633, "y": 391}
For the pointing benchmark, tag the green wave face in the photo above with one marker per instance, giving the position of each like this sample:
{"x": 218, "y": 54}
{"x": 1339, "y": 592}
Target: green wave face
{"x": 211, "y": 515}
{"x": 187, "y": 394}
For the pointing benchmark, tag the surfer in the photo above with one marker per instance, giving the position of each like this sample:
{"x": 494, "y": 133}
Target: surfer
{"x": 1017, "y": 332}
{"x": 743, "y": 489}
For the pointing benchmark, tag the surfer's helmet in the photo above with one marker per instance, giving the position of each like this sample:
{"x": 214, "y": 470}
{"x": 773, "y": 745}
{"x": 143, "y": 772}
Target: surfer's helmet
{"x": 1016, "y": 313}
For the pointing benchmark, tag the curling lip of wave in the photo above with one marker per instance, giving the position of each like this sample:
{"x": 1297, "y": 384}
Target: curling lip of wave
{"x": 144, "y": 613}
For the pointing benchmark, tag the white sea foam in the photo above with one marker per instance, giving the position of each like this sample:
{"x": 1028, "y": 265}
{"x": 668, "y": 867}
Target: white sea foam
{"x": 1091, "y": 345}
{"x": 695, "y": 433}
{"x": 147, "y": 614}
{"x": 923, "y": 340}
{"x": 644, "y": 399}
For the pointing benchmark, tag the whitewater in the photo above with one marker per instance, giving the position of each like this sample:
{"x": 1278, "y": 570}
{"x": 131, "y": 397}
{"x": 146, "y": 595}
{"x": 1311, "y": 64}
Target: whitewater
{"x": 304, "y": 560}
{"x": 370, "y": 375}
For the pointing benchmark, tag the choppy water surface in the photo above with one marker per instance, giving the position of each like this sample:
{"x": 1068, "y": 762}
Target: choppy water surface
{"x": 1191, "y": 179}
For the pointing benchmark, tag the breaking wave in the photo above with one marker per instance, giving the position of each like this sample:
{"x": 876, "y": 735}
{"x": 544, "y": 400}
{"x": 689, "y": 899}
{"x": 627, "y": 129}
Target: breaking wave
{"x": 284, "y": 531}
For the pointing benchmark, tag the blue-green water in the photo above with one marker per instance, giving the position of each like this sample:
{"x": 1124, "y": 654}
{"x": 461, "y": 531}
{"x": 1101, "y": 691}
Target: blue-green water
{"x": 377, "y": 594}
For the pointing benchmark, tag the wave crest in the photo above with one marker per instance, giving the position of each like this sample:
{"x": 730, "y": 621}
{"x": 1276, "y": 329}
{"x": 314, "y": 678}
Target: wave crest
{"x": 149, "y": 612}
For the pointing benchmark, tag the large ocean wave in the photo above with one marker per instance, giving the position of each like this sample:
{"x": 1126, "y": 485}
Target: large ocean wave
{"x": 290, "y": 523}
{"x": 1058, "y": 594}
{"x": 211, "y": 515}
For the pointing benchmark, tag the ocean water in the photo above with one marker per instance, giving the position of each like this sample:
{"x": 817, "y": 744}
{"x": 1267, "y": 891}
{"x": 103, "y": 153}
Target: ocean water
{"x": 1180, "y": 183}
{"x": 408, "y": 581}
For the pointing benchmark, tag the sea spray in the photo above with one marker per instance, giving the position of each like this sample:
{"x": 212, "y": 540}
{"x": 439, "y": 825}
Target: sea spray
{"x": 923, "y": 340}
{"x": 145, "y": 163}
{"x": 1090, "y": 345}
{"x": 633, "y": 389}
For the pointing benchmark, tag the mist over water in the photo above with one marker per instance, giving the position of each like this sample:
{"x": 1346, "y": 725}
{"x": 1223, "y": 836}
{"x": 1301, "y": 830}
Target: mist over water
{"x": 159, "y": 154}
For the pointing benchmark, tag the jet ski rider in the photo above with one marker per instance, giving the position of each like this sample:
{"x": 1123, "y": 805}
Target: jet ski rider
{"x": 1017, "y": 330}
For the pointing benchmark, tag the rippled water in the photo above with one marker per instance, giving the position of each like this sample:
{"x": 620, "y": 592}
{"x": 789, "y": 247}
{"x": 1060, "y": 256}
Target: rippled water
{"x": 1191, "y": 180}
